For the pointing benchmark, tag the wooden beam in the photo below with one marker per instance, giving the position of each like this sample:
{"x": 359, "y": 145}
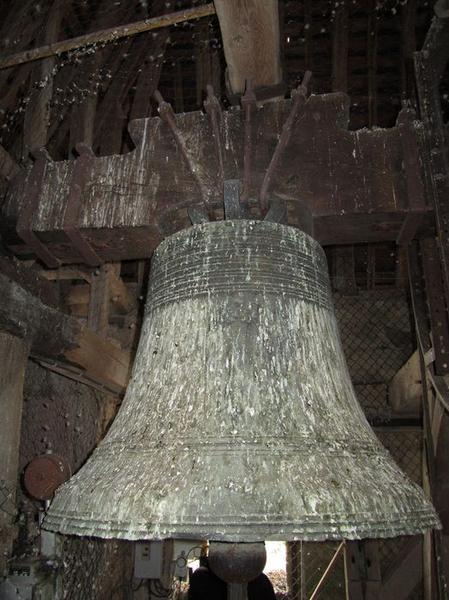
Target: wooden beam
{"x": 8, "y": 166}
{"x": 98, "y": 314}
{"x": 13, "y": 358}
{"x": 37, "y": 113}
{"x": 108, "y": 35}
{"x": 128, "y": 203}
{"x": 408, "y": 47}
{"x": 354, "y": 569}
{"x": 343, "y": 269}
{"x": 148, "y": 79}
{"x": 250, "y": 32}
{"x": 59, "y": 341}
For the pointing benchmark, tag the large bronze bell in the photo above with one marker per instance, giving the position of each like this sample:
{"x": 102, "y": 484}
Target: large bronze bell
{"x": 240, "y": 422}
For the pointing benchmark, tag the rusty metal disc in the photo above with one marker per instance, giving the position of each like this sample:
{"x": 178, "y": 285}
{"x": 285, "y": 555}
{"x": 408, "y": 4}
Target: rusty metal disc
{"x": 44, "y": 474}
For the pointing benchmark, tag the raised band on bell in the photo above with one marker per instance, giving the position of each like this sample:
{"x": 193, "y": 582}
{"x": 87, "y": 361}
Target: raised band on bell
{"x": 240, "y": 423}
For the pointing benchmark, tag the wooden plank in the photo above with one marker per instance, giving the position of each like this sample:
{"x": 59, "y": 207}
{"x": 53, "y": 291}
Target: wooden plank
{"x": 429, "y": 67}
{"x": 13, "y": 358}
{"x": 60, "y": 341}
{"x": 250, "y": 33}
{"x": 373, "y": 572}
{"x": 108, "y": 35}
{"x": 354, "y": 568}
{"x": 98, "y": 315}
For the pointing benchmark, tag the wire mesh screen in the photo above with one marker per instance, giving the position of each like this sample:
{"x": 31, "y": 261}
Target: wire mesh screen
{"x": 406, "y": 447}
{"x": 377, "y": 340}
{"x": 94, "y": 569}
{"x": 306, "y": 565}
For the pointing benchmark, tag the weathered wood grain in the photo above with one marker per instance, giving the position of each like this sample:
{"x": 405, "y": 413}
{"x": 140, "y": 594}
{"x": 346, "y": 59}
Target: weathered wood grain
{"x": 107, "y": 35}
{"x": 13, "y": 357}
{"x": 60, "y": 341}
{"x": 354, "y": 182}
{"x": 250, "y": 33}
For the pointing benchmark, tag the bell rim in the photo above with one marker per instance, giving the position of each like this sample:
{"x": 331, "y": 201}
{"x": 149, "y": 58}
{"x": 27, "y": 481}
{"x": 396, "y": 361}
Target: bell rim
{"x": 250, "y": 531}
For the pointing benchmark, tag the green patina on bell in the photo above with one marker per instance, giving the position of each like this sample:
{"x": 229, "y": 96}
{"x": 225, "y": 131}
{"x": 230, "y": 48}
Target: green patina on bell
{"x": 240, "y": 422}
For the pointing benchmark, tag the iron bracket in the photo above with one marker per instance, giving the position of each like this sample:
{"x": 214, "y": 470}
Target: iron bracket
{"x": 299, "y": 97}
{"x": 31, "y": 202}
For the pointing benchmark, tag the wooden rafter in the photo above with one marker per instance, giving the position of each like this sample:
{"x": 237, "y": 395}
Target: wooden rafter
{"x": 108, "y": 35}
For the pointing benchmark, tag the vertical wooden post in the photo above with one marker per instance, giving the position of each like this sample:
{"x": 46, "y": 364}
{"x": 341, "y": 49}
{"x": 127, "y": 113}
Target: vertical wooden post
{"x": 37, "y": 114}
{"x": 98, "y": 314}
{"x": 354, "y": 568}
{"x": 308, "y": 50}
{"x": 340, "y": 36}
{"x": 250, "y": 33}
{"x": 343, "y": 269}
{"x": 13, "y": 359}
{"x": 179, "y": 91}
{"x": 373, "y": 574}
{"x": 371, "y": 58}
{"x": 82, "y": 120}
{"x": 408, "y": 47}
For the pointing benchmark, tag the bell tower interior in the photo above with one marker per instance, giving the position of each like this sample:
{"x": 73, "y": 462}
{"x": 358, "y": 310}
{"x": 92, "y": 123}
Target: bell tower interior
{"x": 224, "y": 300}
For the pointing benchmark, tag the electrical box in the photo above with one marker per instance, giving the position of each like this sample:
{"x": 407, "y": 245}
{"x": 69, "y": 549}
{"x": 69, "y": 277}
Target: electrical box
{"x": 148, "y": 560}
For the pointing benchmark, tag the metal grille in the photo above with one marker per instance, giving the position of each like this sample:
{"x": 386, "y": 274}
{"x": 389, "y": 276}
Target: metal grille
{"x": 376, "y": 333}
{"x": 405, "y": 446}
{"x": 94, "y": 569}
{"x": 306, "y": 564}
{"x": 377, "y": 340}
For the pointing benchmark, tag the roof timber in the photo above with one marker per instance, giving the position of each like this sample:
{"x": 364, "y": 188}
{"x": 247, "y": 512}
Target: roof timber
{"x": 106, "y": 35}
{"x": 354, "y": 182}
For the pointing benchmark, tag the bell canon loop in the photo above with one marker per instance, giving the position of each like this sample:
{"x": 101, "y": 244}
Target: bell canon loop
{"x": 240, "y": 422}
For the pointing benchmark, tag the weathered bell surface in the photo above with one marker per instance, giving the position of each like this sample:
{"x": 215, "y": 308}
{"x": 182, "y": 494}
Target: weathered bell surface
{"x": 240, "y": 422}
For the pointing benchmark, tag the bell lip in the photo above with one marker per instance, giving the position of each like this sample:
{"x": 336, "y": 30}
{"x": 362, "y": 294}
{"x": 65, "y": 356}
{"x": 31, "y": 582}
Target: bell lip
{"x": 419, "y": 522}
{"x": 231, "y": 223}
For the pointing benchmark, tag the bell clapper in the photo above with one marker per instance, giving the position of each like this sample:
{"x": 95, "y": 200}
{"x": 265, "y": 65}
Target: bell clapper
{"x": 237, "y": 563}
